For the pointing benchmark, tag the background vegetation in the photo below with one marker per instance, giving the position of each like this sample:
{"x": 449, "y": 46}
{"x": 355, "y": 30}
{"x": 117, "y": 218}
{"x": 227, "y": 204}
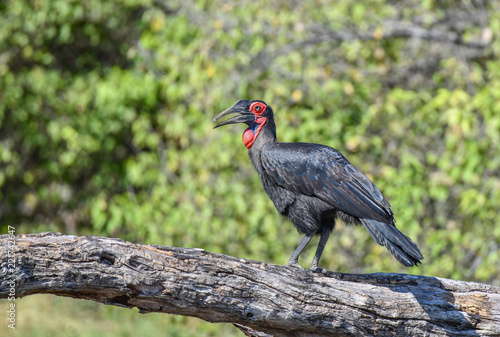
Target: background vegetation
{"x": 105, "y": 129}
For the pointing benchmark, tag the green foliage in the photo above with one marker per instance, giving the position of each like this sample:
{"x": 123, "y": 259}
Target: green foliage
{"x": 106, "y": 109}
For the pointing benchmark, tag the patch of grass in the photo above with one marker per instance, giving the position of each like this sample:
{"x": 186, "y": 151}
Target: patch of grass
{"x": 52, "y": 316}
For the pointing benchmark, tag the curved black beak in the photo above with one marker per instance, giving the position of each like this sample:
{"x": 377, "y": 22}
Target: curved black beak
{"x": 240, "y": 108}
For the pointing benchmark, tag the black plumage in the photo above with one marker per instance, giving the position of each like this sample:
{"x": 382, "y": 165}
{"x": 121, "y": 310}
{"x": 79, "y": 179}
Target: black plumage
{"x": 314, "y": 184}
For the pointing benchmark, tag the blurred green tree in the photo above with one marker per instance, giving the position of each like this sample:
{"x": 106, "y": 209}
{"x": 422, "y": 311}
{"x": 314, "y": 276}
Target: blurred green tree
{"x": 105, "y": 111}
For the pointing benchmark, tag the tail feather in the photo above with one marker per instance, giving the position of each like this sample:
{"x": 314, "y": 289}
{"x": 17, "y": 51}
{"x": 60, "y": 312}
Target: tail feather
{"x": 400, "y": 246}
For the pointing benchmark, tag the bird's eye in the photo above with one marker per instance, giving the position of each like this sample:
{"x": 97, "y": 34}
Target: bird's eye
{"x": 258, "y": 107}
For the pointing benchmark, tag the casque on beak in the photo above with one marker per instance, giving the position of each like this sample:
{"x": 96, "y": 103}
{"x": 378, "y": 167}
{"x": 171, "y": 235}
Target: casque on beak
{"x": 244, "y": 116}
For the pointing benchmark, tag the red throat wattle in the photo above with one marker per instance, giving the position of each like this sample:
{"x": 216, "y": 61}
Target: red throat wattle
{"x": 248, "y": 138}
{"x": 250, "y": 134}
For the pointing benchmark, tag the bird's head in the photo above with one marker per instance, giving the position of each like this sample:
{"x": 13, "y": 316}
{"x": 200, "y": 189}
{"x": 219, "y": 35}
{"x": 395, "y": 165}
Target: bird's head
{"x": 254, "y": 113}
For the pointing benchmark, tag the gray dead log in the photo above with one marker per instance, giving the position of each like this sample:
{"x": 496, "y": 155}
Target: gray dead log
{"x": 259, "y": 298}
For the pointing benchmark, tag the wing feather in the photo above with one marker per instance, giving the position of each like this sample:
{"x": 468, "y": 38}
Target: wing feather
{"x": 323, "y": 172}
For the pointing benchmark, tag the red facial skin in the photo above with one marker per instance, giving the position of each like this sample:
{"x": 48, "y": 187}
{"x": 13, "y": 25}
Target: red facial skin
{"x": 248, "y": 138}
{"x": 248, "y": 135}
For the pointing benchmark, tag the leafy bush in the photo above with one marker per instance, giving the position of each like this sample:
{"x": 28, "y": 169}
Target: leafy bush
{"x": 106, "y": 109}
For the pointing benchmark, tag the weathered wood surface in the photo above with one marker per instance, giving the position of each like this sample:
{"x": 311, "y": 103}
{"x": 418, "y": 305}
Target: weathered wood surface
{"x": 257, "y": 297}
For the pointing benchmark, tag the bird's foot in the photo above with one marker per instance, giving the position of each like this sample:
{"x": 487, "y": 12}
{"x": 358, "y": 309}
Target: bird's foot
{"x": 295, "y": 264}
{"x": 318, "y": 270}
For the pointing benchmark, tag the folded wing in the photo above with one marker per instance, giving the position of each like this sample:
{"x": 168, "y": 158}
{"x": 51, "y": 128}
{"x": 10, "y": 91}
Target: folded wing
{"x": 323, "y": 172}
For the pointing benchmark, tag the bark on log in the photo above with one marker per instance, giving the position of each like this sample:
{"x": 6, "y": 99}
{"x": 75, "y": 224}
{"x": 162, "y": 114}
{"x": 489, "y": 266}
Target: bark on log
{"x": 257, "y": 297}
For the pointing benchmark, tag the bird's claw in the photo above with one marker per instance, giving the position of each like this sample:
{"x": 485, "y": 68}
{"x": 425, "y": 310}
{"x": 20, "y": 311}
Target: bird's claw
{"x": 295, "y": 264}
{"x": 318, "y": 270}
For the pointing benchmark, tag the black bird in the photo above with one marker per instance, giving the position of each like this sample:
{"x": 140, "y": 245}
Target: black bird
{"x": 314, "y": 184}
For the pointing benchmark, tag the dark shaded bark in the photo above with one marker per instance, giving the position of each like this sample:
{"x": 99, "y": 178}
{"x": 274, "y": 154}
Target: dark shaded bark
{"x": 257, "y": 297}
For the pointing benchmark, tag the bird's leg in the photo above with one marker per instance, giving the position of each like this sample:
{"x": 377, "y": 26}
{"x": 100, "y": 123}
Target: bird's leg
{"x": 325, "y": 235}
{"x": 294, "y": 260}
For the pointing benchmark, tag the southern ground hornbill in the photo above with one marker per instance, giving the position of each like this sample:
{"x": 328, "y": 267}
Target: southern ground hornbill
{"x": 314, "y": 184}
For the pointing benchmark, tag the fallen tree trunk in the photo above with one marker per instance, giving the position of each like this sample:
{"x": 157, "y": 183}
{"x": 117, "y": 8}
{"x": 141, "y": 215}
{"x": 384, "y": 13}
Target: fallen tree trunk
{"x": 257, "y": 297}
